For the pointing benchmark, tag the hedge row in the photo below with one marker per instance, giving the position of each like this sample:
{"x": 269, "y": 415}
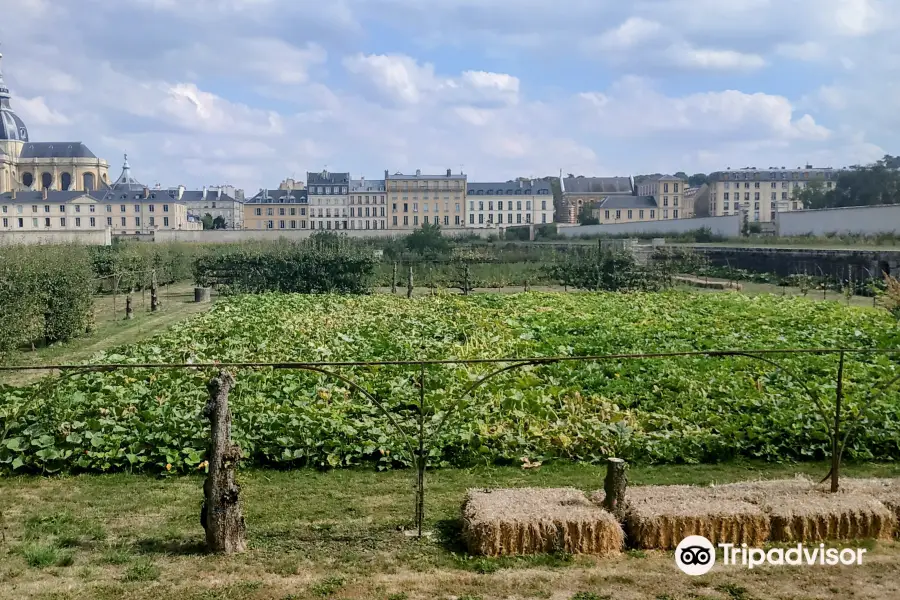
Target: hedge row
{"x": 45, "y": 294}
{"x": 317, "y": 265}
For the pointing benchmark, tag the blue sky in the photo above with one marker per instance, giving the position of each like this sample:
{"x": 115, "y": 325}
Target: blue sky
{"x": 248, "y": 92}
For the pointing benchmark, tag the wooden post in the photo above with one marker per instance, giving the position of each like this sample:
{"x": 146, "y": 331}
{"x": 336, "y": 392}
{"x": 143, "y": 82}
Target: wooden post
{"x": 221, "y": 512}
{"x": 466, "y": 282}
{"x": 129, "y": 311}
{"x": 394, "y": 279}
{"x": 201, "y": 294}
{"x": 614, "y": 487}
{"x": 409, "y": 282}
{"x": 154, "y": 293}
{"x": 526, "y": 285}
{"x": 836, "y": 439}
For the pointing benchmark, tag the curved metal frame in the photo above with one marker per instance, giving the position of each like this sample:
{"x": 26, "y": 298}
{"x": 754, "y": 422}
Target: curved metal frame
{"x": 419, "y": 457}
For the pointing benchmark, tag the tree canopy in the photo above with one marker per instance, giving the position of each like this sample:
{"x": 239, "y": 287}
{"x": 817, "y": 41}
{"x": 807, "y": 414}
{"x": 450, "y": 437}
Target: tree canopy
{"x": 877, "y": 183}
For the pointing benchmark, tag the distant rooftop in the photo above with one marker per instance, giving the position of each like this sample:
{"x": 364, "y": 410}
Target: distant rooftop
{"x": 597, "y": 185}
{"x": 56, "y": 150}
{"x": 618, "y": 202}
{"x": 509, "y": 188}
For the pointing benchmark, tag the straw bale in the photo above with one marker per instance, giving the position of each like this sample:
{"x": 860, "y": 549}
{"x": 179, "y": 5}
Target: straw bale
{"x": 757, "y": 490}
{"x": 531, "y": 520}
{"x": 661, "y": 516}
{"x": 818, "y": 515}
{"x": 886, "y": 491}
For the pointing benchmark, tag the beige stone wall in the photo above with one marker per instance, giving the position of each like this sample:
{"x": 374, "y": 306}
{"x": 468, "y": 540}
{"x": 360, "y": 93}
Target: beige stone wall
{"x": 276, "y": 216}
{"x": 445, "y": 200}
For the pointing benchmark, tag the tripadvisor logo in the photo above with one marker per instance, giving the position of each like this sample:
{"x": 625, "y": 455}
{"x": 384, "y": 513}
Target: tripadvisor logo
{"x": 696, "y": 555}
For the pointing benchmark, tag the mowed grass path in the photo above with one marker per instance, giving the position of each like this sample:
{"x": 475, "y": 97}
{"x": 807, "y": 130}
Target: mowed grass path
{"x": 338, "y": 534}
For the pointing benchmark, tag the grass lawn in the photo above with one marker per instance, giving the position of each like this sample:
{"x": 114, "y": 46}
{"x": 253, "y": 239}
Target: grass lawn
{"x": 338, "y": 535}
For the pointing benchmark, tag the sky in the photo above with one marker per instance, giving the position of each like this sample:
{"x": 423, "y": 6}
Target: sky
{"x": 250, "y": 92}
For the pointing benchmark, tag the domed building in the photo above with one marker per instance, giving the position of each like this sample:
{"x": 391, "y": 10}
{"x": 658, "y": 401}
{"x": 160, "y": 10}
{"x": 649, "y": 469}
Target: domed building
{"x": 26, "y": 165}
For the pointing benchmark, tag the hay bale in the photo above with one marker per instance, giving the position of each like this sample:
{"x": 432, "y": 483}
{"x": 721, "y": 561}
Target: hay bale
{"x": 886, "y": 491}
{"x": 660, "y": 516}
{"x": 757, "y": 490}
{"x": 818, "y": 515}
{"x": 530, "y": 520}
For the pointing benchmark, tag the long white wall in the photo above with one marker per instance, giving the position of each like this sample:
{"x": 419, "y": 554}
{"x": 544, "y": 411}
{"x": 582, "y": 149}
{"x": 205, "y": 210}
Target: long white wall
{"x": 866, "y": 220}
{"x": 225, "y": 236}
{"x": 97, "y": 237}
{"x": 727, "y": 226}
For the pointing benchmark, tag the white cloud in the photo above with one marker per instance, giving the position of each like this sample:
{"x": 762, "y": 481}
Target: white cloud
{"x": 234, "y": 91}
{"x": 402, "y": 79}
{"x": 632, "y": 32}
{"x": 34, "y": 111}
{"x": 690, "y": 57}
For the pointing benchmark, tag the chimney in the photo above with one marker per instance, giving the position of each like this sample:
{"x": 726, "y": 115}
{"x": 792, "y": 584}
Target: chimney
{"x": 386, "y": 176}
{"x": 180, "y": 191}
{"x": 44, "y": 194}
{"x": 418, "y": 172}
{"x": 146, "y": 193}
{"x": 448, "y": 172}
{"x": 14, "y": 193}
{"x": 204, "y": 193}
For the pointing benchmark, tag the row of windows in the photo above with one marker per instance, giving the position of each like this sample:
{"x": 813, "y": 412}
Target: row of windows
{"x": 666, "y": 188}
{"x": 424, "y": 185}
{"x": 773, "y": 175}
{"x": 328, "y": 189}
{"x": 91, "y": 208}
{"x": 509, "y": 219}
{"x": 65, "y": 180}
{"x": 509, "y": 205}
{"x": 666, "y": 201}
{"x": 425, "y": 221}
{"x": 630, "y": 214}
{"x": 35, "y": 222}
{"x": 737, "y": 196}
{"x": 415, "y": 207}
{"x": 425, "y": 197}
{"x": 359, "y": 200}
{"x": 509, "y": 192}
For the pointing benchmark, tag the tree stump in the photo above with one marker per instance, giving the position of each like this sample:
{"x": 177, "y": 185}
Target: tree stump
{"x": 201, "y": 294}
{"x": 614, "y": 487}
{"x": 129, "y": 311}
{"x": 221, "y": 515}
{"x": 409, "y": 283}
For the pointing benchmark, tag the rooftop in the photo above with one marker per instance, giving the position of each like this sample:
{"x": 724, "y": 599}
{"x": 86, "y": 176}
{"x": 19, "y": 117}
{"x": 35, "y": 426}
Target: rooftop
{"x": 280, "y": 197}
{"x": 367, "y": 185}
{"x": 596, "y": 185}
{"x": 56, "y": 150}
{"x": 327, "y": 178}
{"x": 627, "y": 202}
{"x": 509, "y": 188}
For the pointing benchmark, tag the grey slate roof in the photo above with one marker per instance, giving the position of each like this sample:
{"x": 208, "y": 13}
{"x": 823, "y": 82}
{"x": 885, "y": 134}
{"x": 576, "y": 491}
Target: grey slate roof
{"x": 326, "y": 178}
{"x": 402, "y": 176}
{"x": 775, "y": 174}
{"x": 509, "y": 188}
{"x": 11, "y": 125}
{"x": 280, "y": 197}
{"x": 597, "y": 185}
{"x": 56, "y": 150}
{"x": 627, "y": 202}
{"x": 366, "y": 185}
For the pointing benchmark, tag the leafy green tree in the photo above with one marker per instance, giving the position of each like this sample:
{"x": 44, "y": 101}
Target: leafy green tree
{"x": 585, "y": 217}
{"x": 219, "y": 222}
{"x": 697, "y": 179}
{"x": 207, "y": 221}
{"x": 427, "y": 240}
{"x": 682, "y": 175}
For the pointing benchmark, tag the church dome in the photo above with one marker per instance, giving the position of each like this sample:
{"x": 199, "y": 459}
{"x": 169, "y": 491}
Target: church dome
{"x": 11, "y": 126}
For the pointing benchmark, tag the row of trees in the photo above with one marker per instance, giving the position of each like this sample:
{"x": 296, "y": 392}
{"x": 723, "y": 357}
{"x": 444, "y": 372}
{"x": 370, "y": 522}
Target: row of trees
{"x": 867, "y": 185}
